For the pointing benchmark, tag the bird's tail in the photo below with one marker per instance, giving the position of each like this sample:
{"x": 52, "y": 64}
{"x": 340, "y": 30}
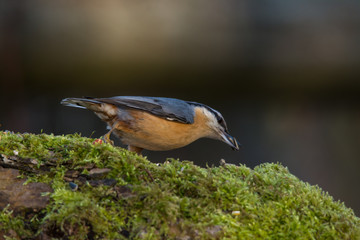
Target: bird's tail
{"x": 85, "y": 103}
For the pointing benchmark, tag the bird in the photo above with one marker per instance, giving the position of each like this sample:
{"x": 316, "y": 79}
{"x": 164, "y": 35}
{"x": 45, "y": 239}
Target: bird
{"x": 156, "y": 123}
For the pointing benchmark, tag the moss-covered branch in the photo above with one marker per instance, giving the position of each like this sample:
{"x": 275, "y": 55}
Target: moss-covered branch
{"x": 104, "y": 192}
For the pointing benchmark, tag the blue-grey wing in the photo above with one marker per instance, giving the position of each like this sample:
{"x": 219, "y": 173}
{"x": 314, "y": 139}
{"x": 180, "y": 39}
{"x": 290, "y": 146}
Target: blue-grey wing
{"x": 167, "y": 108}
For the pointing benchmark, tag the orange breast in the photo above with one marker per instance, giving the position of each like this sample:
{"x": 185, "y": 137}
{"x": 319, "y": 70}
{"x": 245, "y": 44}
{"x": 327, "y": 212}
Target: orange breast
{"x": 153, "y": 133}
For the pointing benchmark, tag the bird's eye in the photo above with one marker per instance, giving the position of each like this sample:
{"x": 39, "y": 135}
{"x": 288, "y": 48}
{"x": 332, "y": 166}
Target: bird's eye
{"x": 222, "y": 123}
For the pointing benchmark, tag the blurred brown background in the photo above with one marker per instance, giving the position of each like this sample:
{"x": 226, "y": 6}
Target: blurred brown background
{"x": 285, "y": 75}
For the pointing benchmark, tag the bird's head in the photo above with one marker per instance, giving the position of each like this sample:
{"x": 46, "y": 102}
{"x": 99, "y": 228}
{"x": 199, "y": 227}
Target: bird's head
{"x": 218, "y": 128}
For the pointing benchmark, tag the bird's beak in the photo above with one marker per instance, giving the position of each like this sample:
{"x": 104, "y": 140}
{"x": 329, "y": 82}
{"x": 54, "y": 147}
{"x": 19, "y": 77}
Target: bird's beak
{"x": 231, "y": 141}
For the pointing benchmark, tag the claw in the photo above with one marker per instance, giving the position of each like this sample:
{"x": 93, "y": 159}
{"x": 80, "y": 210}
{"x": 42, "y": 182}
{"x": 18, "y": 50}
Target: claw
{"x": 107, "y": 137}
{"x": 108, "y": 140}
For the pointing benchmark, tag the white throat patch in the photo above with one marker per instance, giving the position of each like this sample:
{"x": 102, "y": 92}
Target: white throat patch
{"x": 212, "y": 122}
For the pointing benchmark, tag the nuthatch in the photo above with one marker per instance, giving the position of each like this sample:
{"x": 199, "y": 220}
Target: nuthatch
{"x": 156, "y": 123}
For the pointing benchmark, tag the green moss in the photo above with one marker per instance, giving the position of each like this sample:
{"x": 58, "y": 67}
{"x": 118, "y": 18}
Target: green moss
{"x": 9, "y": 222}
{"x": 174, "y": 200}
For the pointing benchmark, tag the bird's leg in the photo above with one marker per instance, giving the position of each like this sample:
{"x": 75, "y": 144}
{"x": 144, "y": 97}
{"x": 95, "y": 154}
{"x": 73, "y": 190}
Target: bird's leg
{"x": 135, "y": 149}
{"x": 107, "y": 136}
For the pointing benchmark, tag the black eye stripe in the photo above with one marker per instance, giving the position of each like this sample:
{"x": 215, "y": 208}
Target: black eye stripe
{"x": 223, "y": 124}
{"x": 218, "y": 116}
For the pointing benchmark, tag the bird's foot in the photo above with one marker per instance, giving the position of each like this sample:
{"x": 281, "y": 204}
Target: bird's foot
{"x": 137, "y": 150}
{"x": 108, "y": 140}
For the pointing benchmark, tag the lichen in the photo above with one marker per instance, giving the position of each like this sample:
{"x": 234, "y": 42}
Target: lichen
{"x": 173, "y": 200}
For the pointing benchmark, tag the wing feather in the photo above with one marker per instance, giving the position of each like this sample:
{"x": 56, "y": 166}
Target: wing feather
{"x": 168, "y": 108}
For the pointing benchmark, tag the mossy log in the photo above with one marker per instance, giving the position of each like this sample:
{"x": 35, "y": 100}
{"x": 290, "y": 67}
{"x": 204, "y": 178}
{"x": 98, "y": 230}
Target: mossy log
{"x": 71, "y": 187}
